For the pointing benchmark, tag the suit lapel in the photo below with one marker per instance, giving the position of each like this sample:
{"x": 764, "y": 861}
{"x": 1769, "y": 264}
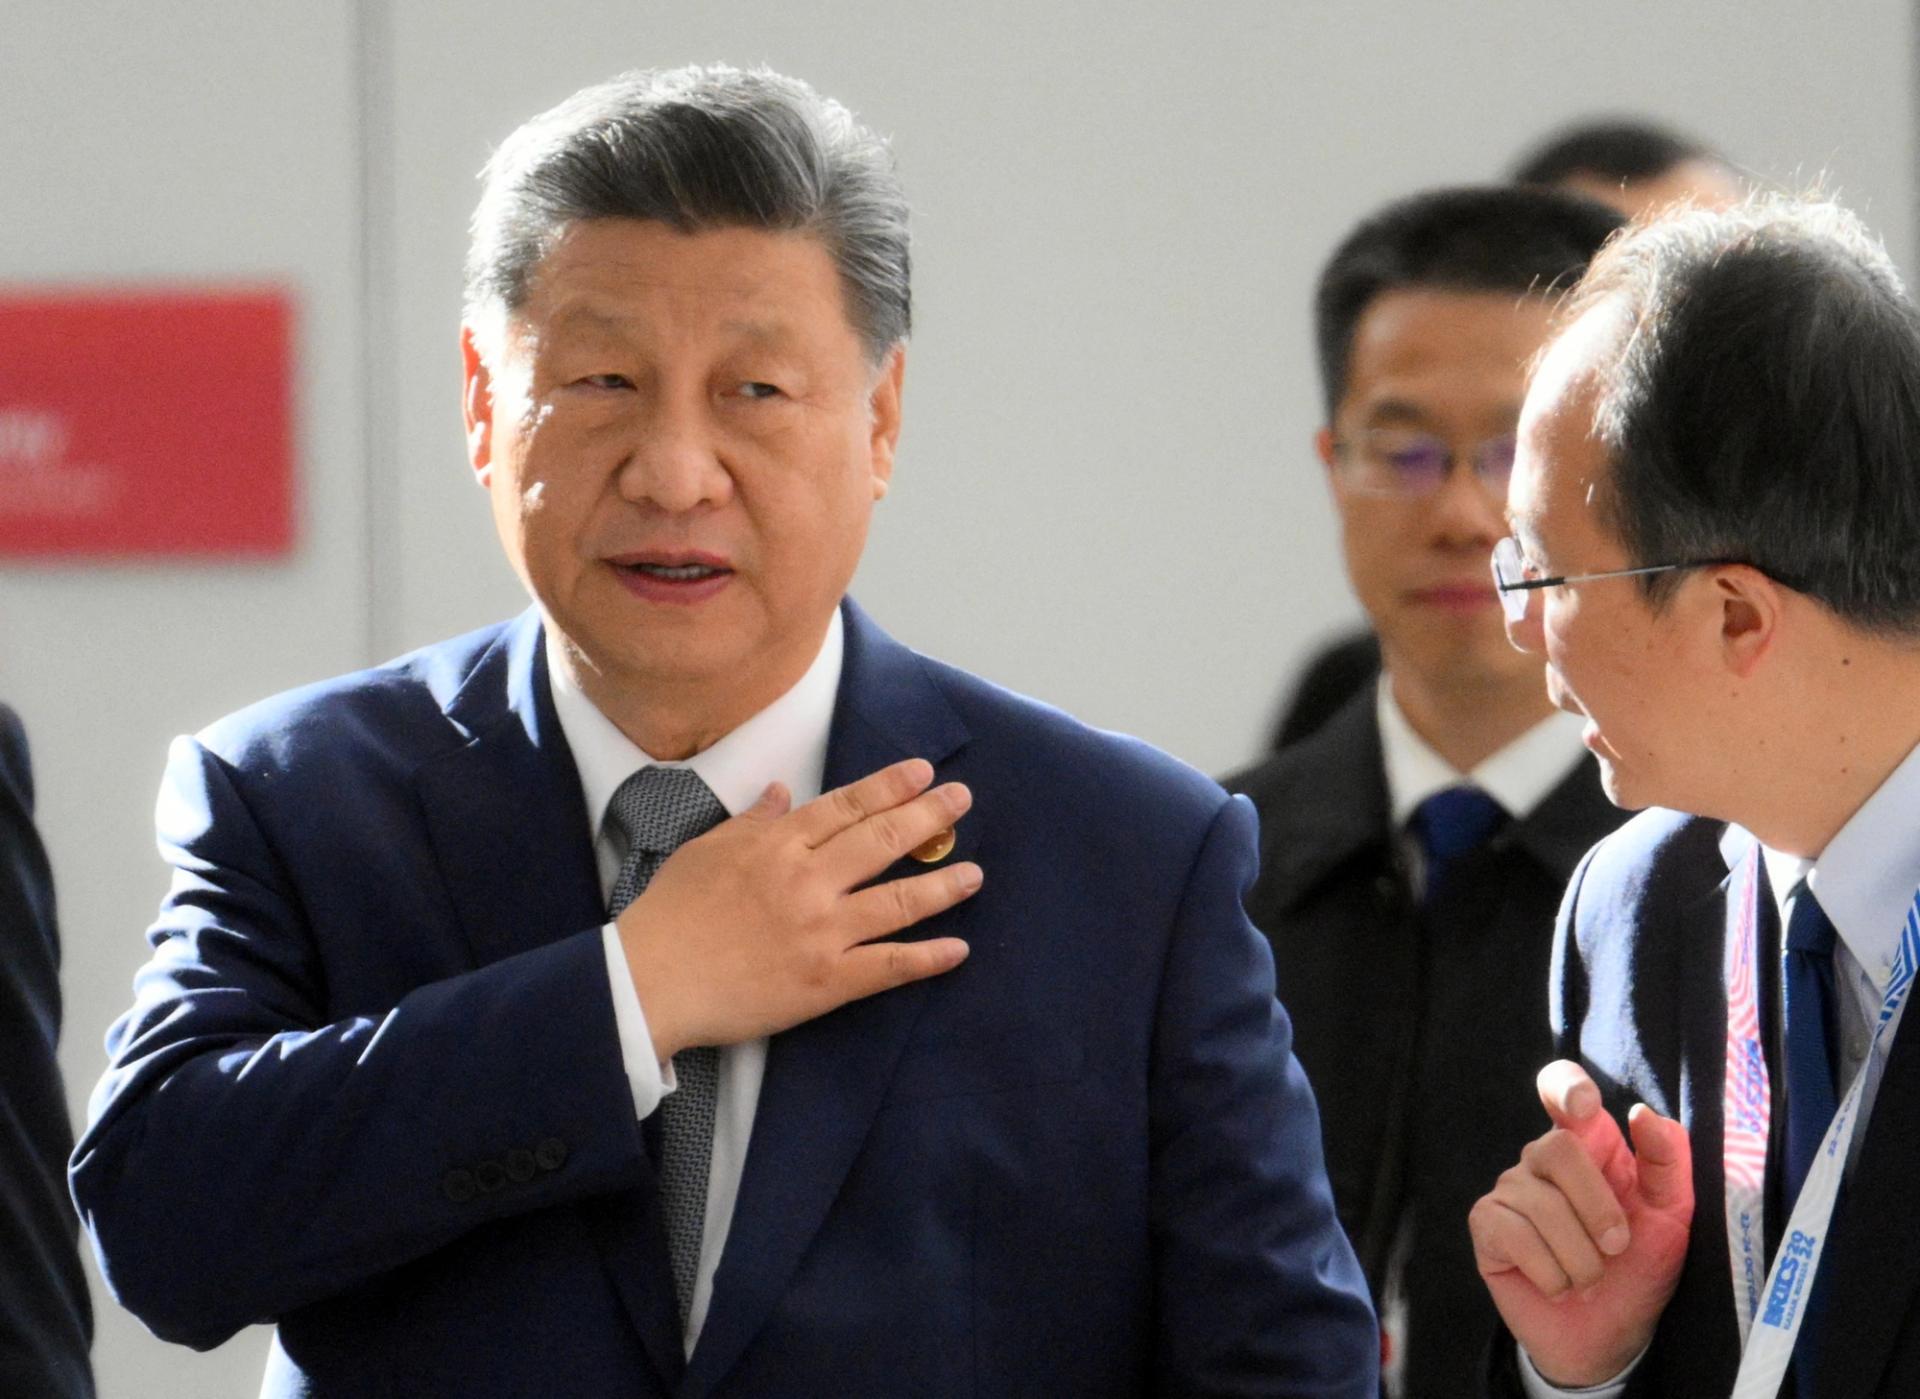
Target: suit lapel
{"x": 825, "y": 1079}
{"x": 510, "y": 832}
{"x": 505, "y": 813}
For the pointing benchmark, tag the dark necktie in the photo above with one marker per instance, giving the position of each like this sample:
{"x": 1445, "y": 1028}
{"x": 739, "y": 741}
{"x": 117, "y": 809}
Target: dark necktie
{"x": 1807, "y": 995}
{"x": 659, "y": 809}
{"x": 1449, "y": 825}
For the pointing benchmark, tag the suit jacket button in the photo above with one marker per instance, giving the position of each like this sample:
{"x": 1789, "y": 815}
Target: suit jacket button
{"x": 491, "y": 1175}
{"x": 520, "y": 1165}
{"x": 935, "y": 848}
{"x": 551, "y": 1154}
{"x": 458, "y": 1186}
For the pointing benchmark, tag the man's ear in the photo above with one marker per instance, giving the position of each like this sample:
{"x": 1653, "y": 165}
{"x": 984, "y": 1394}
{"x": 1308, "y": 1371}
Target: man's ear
{"x": 1329, "y": 455}
{"x": 883, "y": 415}
{"x": 1750, "y": 606}
{"x": 476, "y": 406}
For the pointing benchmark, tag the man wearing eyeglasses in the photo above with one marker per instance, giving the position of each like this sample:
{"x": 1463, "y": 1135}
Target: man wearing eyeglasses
{"x": 1415, "y": 848}
{"x": 1716, "y": 507}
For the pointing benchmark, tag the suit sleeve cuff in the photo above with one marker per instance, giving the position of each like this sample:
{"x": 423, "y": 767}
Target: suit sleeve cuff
{"x": 1538, "y": 1388}
{"x": 649, "y": 1079}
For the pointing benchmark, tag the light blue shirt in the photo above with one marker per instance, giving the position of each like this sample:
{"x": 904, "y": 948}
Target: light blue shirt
{"x": 1865, "y": 880}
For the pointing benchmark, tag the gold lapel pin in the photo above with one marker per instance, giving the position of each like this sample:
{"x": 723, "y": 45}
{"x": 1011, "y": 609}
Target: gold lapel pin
{"x": 935, "y": 848}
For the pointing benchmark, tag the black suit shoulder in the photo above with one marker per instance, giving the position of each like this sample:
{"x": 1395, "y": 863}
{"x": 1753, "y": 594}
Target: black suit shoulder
{"x": 1339, "y": 670}
{"x": 1323, "y": 805}
{"x": 46, "y": 1320}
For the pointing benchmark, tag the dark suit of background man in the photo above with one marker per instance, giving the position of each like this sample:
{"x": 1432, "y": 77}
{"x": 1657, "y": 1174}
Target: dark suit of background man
{"x": 1715, "y": 509}
{"x": 1415, "y": 848}
{"x": 46, "y": 1320}
{"x": 457, "y": 1063}
{"x": 1634, "y": 166}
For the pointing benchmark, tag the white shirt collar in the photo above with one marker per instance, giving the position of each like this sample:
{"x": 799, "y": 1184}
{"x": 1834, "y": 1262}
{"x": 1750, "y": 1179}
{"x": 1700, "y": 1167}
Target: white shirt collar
{"x": 1519, "y": 776}
{"x": 785, "y": 742}
{"x": 1866, "y": 877}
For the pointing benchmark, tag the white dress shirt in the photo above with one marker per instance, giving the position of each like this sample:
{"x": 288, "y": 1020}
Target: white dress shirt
{"x": 785, "y": 742}
{"x": 1865, "y": 881}
{"x": 1520, "y": 776}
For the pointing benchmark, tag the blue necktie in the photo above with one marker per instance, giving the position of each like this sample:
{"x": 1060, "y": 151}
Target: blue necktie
{"x": 1806, "y": 984}
{"x": 1451, "y": 824}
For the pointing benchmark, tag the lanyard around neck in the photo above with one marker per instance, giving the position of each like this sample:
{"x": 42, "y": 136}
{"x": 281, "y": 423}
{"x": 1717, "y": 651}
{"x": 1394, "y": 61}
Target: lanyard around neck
{"x": 1770, "y": 1312}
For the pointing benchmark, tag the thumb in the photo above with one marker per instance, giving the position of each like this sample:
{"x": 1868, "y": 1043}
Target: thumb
{"x": 1665, "y": 1156}
{"x": 774, "y": 802}
{"x": 1572, "y": 1100}
{"x": 1568, "y": 1094}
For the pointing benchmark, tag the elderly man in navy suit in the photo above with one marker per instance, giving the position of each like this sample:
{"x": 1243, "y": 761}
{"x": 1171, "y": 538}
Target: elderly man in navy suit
{"x": 615, "y": 1001}
{"x": 1715, "y": 507}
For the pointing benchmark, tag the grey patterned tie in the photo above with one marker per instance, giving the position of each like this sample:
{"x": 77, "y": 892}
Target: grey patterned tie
{"x": 659, "y": 809}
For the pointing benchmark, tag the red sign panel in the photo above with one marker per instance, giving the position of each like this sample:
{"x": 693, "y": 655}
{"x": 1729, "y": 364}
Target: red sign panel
{"x": 146, "y": 424}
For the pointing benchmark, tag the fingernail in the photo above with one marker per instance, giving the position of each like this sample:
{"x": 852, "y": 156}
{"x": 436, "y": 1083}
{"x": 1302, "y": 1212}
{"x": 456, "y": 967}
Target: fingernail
{"x": 1615, "y": 1240}
{"x": 968, "y": 877}
{"x": 1583, "y": 1100}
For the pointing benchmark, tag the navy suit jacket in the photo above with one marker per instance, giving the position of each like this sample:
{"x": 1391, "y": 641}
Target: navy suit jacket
{"x": 1639, "y": 996}
{"x": 371, "y": 1089}
{"x": 45, "y": 1318}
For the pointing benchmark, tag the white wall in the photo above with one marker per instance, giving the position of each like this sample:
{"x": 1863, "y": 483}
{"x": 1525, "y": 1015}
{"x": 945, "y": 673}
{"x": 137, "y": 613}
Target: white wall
{"x": 1104, "y": 494}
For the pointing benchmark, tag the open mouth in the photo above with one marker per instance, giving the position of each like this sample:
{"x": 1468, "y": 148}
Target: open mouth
{"x": 675, "y": 573}
{"x": 672, "y": 577}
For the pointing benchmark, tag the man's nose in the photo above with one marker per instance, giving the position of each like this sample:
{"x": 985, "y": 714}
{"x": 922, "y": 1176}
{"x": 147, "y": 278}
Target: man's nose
{"x": 675, "y": 460}
{"x": 1467, "y": 508}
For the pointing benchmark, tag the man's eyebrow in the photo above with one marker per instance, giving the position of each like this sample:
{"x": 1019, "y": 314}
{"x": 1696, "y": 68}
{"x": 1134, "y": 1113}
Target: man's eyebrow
{"x": 761, "y": 332}
{"x": 1395, "y": 411}
{"x": 580, "y": 316}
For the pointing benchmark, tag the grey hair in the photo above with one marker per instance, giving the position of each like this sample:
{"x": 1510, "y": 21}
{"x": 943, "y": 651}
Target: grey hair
{"x": 1759, "y": 403}
{"x": 699, "y": 148}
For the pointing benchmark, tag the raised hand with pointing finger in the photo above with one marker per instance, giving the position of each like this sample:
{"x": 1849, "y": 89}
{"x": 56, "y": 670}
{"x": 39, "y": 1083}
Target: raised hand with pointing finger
{"x": 1580, "y": 1242}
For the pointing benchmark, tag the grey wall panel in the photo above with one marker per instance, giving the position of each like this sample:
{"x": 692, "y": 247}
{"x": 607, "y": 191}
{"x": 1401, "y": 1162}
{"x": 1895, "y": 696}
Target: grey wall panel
{"x": 180, "y": 143}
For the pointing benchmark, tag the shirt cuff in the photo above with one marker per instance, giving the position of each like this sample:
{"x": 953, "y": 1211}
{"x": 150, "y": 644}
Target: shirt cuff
{"x": 649, "y": 1079}
{"x": 1538, "y": 1388}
